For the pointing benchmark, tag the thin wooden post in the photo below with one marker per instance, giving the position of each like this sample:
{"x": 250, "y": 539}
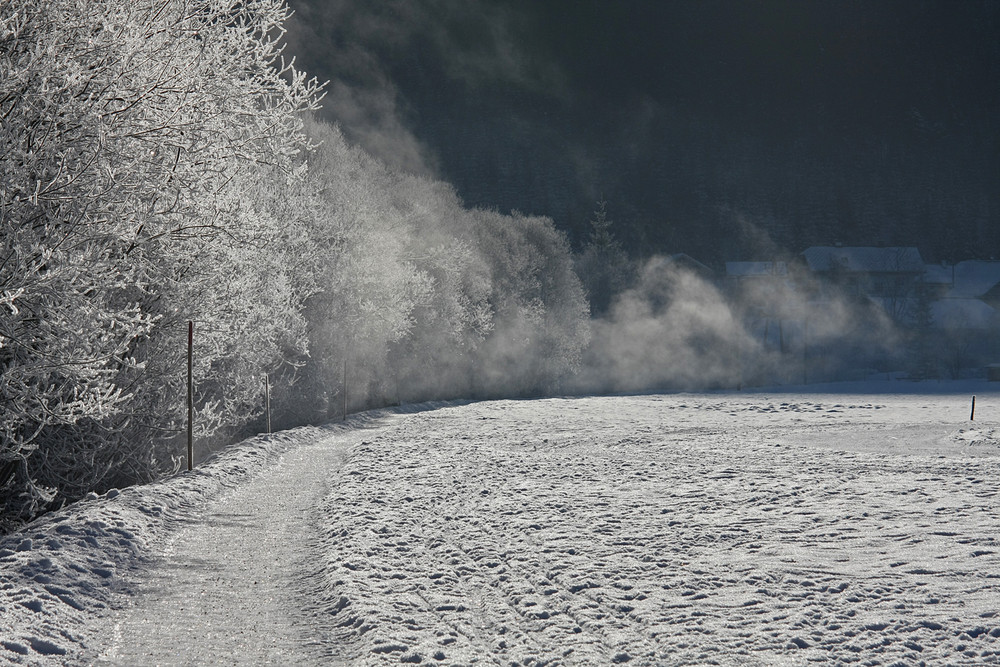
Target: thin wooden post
{"x": 972, "y": 417}
{"x": 739, "y": 362}
{"x": 267, "y": 401}
{"x": 395, "y": 375}
{"x": 805, "y": 351}
{"x": 344, "y": 393}
{"x": 190, "y": 383}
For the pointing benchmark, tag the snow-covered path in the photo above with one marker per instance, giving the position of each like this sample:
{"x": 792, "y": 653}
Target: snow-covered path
{"x": 227, "y": 588}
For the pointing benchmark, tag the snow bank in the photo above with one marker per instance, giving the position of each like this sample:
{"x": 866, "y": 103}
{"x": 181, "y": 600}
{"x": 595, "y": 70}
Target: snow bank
{"x": 65, "y": 569}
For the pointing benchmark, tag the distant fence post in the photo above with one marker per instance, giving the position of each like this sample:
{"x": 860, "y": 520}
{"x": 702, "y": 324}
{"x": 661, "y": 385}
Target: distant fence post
{"x": 395, "y": 375}
{"x": 190, "y": 388}
{"x": 267, "y": 401}
{"x": 805, "y": 350}
{"x": 344, "y": 393}
{"x": 972, "y": 417}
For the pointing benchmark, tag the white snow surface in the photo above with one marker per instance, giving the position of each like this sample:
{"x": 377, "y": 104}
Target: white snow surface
{"x": 793, "y": 526}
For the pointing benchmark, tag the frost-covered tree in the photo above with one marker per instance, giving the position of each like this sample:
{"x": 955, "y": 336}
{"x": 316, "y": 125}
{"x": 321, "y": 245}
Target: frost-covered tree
{"x": 364, "y": 286}
{"x": 153, "y": 172}
{"x": 538, "y": 308}
{"x": 423, "y": 298}
{"x": 135, "y": 136}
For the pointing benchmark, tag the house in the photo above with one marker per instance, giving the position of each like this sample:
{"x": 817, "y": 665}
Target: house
{"x": 967, "y": 295}
{"x": 686, "y": 262}
{"x": 752, "y": 271}
{"x": 763, "y": 297}
{"x": 976, "y": 279}
{"x": 938, "y": 280}
{"x": 760, "y": 283}
{"x": 868, "y": 271}
{"x": 961, "y": 314}
{"x": 964, "y": 312}
{"x": 889, "y": 277}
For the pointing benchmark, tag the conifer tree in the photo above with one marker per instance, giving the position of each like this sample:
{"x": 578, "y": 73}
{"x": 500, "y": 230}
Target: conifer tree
{"x": 603, "y": 267}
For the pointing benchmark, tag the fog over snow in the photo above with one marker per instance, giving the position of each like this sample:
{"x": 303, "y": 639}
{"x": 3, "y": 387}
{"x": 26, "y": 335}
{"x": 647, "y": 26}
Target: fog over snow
{"x": 755, "y": 528}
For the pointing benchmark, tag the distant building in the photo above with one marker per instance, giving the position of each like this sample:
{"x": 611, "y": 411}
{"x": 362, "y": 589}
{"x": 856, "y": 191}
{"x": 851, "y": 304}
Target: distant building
{"x": 863, "y": 259}
{"x": 938, "y": 279}
{"x": 966, "y": 295}
{"x": 888, "y": 277}
{"x": 867, "y": 271}
{"x": 959, "y": 314}
{"x": 964, "y": 310}
{"x": 976, "y": 279}
{"x": 740, "y": 271}
{"x": 759, "y": 281}
{"x": 684, "y": 261}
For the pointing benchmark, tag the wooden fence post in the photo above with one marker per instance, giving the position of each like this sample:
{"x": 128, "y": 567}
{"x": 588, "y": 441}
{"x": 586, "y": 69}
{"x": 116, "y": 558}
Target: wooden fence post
{"x": 344, "y": 395}
{"x": 805, "y": 350}
{"x": 972, "y": 417}
{"x": 190, "y": 388}
{"x": 267, "y": 401}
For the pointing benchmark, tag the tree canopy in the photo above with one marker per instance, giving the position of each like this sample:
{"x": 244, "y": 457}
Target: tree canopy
{"x": 159, "y": 165}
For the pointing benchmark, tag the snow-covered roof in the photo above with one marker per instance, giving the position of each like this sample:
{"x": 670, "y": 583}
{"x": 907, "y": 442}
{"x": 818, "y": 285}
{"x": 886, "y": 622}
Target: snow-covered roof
{"x": 962, "y": 314}
{"x": 937, "y": 274}
{"x": 974, "y": 278}
{"x": 748, "y": 269}
{"x": 864, "y": 259}
{"x": 684, "y": 260}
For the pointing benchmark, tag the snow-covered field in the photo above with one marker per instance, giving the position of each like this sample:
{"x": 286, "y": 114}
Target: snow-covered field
{"x": 735, "y": 529}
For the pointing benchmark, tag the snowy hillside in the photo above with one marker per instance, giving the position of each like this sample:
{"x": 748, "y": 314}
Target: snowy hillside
{"x": 750, "y": 529}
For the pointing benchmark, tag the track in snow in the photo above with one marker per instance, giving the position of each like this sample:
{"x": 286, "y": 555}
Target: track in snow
{"x": 227, "y": 588}
{"x": 668, "y": 530}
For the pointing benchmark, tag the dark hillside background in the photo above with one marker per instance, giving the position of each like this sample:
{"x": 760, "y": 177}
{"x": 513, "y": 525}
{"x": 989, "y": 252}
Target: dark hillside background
{"x": 723, "y": 129}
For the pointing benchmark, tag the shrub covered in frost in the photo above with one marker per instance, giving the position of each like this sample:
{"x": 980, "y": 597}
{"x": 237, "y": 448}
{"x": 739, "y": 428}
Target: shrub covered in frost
{"x": 155, "y": 169}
